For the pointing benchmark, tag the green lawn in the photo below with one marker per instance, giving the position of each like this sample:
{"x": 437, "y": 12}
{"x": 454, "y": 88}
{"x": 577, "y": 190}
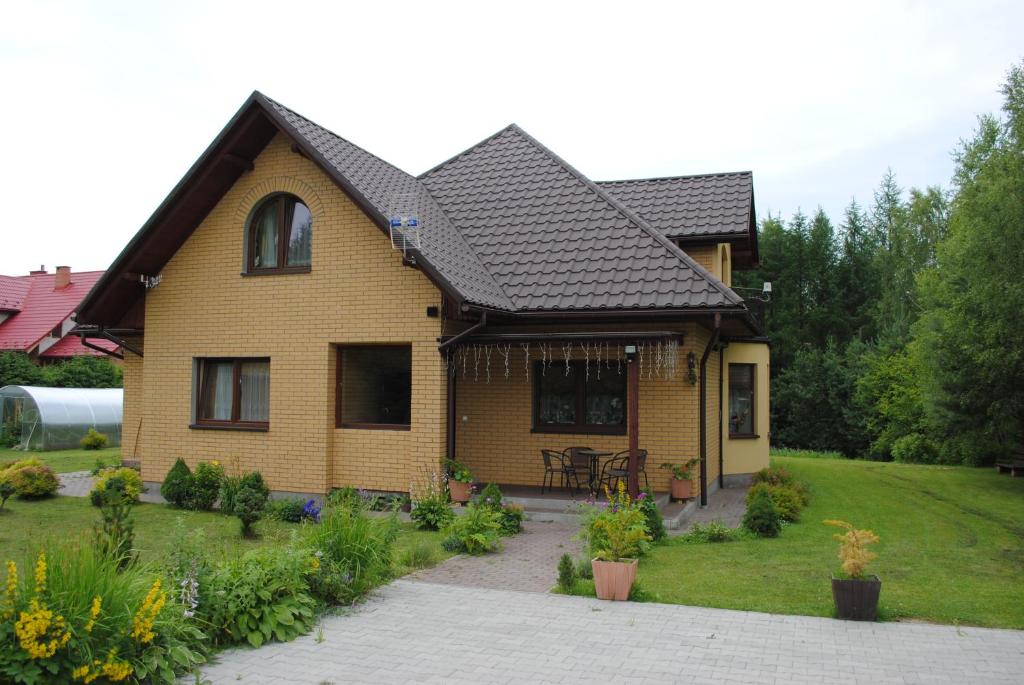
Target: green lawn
{"x": 951, "y": 550}
{"x": 24, "y": 525}
{"x": 64, "y": 461}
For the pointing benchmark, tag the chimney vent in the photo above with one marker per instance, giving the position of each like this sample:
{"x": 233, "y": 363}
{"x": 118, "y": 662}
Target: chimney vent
{"x": 63, "y": 278}
{"x": 42, "y": 270}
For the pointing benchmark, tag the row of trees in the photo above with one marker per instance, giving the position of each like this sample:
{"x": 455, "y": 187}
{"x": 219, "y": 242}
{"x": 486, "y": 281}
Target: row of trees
{"x": 897, "y": 334}
{"x": 78, "y": 372}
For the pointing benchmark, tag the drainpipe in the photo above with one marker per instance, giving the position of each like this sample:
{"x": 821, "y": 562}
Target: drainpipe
{"x": 721, "y": 406}
{"x": 452, "y": 387}
{"x": 472, "y": 329}
{"x": 704, "y": 410}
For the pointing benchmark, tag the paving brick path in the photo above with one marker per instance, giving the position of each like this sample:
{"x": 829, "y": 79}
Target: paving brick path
{"x": 424, "y": 632}
{"x": 79, "y": 483}
{"x": 529, "y": 561}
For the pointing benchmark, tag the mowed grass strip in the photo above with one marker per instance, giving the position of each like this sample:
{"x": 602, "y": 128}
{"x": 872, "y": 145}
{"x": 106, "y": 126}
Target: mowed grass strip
{"x": 66, "y": 461}
{"x": 951, "y": 550}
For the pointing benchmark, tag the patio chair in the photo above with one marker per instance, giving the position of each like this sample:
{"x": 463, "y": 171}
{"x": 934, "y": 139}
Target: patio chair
{"x": 580, "y": 462}
{"x": 554, "y": 463}
{"x": 617, "y": 468}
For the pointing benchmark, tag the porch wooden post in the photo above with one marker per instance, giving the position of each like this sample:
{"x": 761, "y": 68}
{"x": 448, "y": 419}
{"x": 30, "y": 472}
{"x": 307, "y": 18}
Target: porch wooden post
{"x": 633, "y": 424}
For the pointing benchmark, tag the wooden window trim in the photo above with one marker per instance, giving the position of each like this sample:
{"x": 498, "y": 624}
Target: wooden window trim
{"x": 283, "y": 235}
{"x": 753, "y": 403}
{"x": 236, "y": 396}
{"x": 362, "y": 425}
{"x": 581, "y": 405}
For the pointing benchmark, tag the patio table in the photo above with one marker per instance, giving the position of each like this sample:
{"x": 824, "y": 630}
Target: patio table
{"x": 595, "y": 465}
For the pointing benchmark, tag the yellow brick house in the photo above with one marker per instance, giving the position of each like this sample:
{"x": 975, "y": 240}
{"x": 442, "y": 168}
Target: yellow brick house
{"x": 299, "y": 306}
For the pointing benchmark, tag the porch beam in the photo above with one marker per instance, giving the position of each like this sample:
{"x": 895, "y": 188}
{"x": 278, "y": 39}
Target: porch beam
{"x": 538, "y": 337}
{"x": 633, "y": 423}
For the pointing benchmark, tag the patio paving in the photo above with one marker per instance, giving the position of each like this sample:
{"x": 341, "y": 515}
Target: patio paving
{"x": 425, "y": 632}
{"x": 79, "y": 483}
{"x": 529, "y": 561}
{"x": 726, "y": 505}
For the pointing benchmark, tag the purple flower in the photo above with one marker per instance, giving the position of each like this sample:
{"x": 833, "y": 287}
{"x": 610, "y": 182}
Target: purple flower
{"x": 311, "y": 511}
{"x": 641, "y": 497}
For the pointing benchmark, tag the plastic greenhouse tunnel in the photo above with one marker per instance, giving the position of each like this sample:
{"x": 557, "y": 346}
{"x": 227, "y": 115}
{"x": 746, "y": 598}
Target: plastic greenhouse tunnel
{"x": 58, "y": 418}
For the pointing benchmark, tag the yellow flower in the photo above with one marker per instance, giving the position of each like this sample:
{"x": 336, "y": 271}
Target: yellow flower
{"x": 142, "y": 624}
{"x": 94, "y": 613}
{"x": 39, "y": 633}
{"x": 314, "y": 563}
{"x": 11, "y": 590}
{"x": 41, "y": 573}
{"x": 80, "y": 672}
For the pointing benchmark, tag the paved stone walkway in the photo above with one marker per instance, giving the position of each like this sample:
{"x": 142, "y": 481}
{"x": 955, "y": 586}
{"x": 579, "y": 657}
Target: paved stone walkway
{"x": 528, "y": 563}
{"x": 424, "y": 632}
{"x": 79, "y": 483}
{"x": 726, "y": 505}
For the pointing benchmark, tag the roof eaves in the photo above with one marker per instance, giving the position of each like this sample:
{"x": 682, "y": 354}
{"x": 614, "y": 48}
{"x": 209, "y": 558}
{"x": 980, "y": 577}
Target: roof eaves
{"x": 726, "y": 292}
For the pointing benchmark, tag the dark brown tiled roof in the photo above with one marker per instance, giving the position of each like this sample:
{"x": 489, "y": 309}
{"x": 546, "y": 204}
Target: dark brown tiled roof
{"x": 553, "y": 240}
{"x": 380, "y": 184}
{"x": 690, "y": 206}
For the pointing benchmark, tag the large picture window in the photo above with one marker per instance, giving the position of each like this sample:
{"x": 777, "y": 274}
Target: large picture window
{"x": 578, "y": 402}
{"x": 741, "y": 400}
{"x": 375, "y": 387}
{"x": 280, "y": 236}
{"x": 233, "y": 393}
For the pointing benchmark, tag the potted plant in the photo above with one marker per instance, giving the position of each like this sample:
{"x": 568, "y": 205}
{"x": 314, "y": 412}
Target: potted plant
{"x": 855, "y": 593}
{"x": 617, "y": 536}
{"x": 460, "y": 481}
{"x": 682, "y": 478}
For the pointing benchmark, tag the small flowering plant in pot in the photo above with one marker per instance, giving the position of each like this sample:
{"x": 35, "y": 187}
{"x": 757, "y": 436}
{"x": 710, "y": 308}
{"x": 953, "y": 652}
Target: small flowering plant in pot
{"x": 460, "y": 481}
{"x": 855, "y": 593}
{"x": 682, "y": 478}
{"x": 617, "y": 536}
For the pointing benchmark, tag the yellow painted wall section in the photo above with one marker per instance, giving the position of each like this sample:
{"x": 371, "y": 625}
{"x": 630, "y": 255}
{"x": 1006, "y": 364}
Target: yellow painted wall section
{"x": 494, "y": 420}
{"x": 747, "y": 455}
{"x": 705, "y": 255}
{"x": 715, "y": 258}
{"x": 357, "y": 292}
{"x": 711, "y": 421}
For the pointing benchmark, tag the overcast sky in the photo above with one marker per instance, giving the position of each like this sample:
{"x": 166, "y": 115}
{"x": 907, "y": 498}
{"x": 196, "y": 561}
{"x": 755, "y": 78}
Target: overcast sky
{"x": 106, "y": 105}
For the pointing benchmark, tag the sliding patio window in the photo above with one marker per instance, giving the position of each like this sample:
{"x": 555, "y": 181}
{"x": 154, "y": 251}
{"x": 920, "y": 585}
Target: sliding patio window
{"x": 573, "y": 400}
{"x": 741, "y": 400}
{"x": 233, "y": 393}
{"x": 374, "y": 387}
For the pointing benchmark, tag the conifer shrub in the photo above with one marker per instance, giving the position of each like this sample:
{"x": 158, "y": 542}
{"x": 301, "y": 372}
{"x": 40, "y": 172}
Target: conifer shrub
{"x": 177, "y": 484}
{"x": 761, "y": 518}
{"x": 566, "y": 573}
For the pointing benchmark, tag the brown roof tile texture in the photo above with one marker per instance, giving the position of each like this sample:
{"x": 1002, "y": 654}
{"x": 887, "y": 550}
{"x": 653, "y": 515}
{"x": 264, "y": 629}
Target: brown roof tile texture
{"x": 690, "y": 206}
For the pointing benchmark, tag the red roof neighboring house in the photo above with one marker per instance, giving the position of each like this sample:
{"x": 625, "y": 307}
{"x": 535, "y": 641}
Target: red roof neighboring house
{"x": 35, "y": 313}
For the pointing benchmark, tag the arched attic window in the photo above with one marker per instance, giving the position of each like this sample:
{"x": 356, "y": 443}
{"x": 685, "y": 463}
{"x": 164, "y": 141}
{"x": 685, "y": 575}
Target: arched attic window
{"x": 280, "y": 236}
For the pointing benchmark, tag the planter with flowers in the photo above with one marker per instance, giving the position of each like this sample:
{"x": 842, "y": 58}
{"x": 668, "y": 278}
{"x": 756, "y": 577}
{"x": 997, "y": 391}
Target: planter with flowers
{"x": 682, "y": 478}
{"x": 617, "y": 536}
{"x": 460, "y": 481}
{"x": 854, "y": 592}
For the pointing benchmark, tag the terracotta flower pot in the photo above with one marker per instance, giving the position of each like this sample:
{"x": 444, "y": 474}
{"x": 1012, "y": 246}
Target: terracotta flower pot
{"x": 613, "y": 579}
{"x": 856, "y": 600}
{"x": 459, "y": 492}
{"x": 681, "y": 489}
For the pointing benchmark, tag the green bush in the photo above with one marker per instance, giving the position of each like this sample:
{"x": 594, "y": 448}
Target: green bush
{"x": 566, "y": 573}
{"x": 177, "y": 484}
{"x": 778, "y": 476}
{"x": 33, "y": 482}
{"x": 420, "y": 555}
{"x": 230, "y": 486}
{"x": 510, "y": 519}
{"x": 354, "y": 552}
{"x": 249, "y": 500}
{"x": 93, "y": 440}
{"x": 915, "y": 449}
{"x": 490, "y": 496}
{"x": 713, "y": 531}
{"x": 655, "y": 524}
{"x": 262, "y": 596}
{"x": 761, "y": 518}
{"x": 786, "y": 500}
{"x": 121, "y": 624}
{"x": 584, "y": 569}
{"x": 617, "y": 531}
{"x": 6, "y": 490}
{"x": 430, "y": 507}
{"x": 287, "y": 509}
{"x": 114, "y": 535}
{"x": 477, "y": 531}
{"x": 10, "y": 432}
{"x": 204, "y": 487}
{"x": 130, "y": 482}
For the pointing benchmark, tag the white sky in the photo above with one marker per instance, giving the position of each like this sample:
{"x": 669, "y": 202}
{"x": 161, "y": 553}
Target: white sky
{"x": 106, "y": 105}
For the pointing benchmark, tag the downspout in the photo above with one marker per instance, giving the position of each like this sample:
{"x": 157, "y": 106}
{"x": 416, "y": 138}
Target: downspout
{"x": 703, "y": 411}
{"x": 472, "y": 329}
{"x": 452, "y": 387}
{"x": 721, "y": 405}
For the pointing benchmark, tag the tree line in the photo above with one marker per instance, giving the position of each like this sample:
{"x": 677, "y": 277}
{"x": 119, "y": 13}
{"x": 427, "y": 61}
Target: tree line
{"x": 897, "y": 332}
{"x": 78, "y": 372}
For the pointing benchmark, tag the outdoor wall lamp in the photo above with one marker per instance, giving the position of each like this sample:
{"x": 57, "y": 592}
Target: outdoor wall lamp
{"x": 630, "y": 351}
{"x": 691, "y": 366}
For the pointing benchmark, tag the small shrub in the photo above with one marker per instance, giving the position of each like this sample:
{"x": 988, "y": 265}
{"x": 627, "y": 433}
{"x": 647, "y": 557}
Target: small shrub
{"x": 287, "y": 509}
{"x": 451, "y": 544}
{"x": 853, "y": 550}
{"x": 510, "y": 519}
{"x": 477, "y": 531}
{"x": 490, "y": 496}
{"x": 618, "y": 531}
{"x": 347, "y": 497}
{"x": 130, "y": 484}
{"x": 566, "y": 573}
{"x": 33, "y": 482}
{"x": 93, "y": 440}
{"x": 584, "y": 569}
{"x": 915, "y": 449}
{"x": 97, "y": 466}
{"x": 177, "y": 484}
{"x": 231, "y": 485}
{"x": 761, "y": 518}
{"x": 430, "y": 507}
{"x": 787, "y": 501}
{"x": 6, "y": 490}
{"x": 420, "y": 555}
{"x": 248, "y": 500}
{"x": 777, "y": 476}
{"x": 713, "y": 531}
{"x": 10, "y": 467}
{"x": 114, "y": 535}
{"x": 655, "y": 523}
{"x": 205, "y": 485}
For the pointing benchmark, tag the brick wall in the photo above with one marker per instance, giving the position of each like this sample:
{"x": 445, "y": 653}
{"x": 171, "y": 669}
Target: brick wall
{"x": 357, "y": 291}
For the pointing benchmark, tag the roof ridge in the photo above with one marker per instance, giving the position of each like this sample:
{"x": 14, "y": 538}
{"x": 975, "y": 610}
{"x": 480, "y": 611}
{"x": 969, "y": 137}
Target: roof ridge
{"x": 678, "y": 177}
{"x": 465, "y": 152}
{"x": 674, "y": 249}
